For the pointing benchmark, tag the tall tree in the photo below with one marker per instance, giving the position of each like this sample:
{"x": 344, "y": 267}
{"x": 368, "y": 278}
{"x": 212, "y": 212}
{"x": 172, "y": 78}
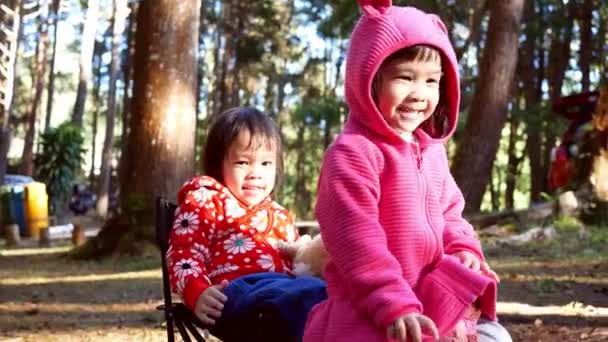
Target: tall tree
{"x": 473, "y": 162}
{"x": 27, "y": 157}
{"x": 51, "y": 85}
{"x": 127, "y": 69}
{"x": 531, "y": 66}
{"x": 12, "y": 18}
{"x": 119, "y": 18}
{"x": 160, "y": 152}
{"x": 97, "y": 75}
{"x": 586, "y": 37}
{"x": 514, "y": 161}
{"x": 86, "y": 59}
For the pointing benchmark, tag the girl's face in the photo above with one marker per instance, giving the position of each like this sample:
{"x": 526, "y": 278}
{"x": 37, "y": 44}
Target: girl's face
{"x": 408, "y": 92}
{"x": 249, "y": 169}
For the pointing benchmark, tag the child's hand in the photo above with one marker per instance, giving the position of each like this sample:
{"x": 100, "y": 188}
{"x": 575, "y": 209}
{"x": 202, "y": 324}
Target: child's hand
{"x": 411, "y": 324}
{"x": 211, "y": 302}
{"x": 471, "y": 261}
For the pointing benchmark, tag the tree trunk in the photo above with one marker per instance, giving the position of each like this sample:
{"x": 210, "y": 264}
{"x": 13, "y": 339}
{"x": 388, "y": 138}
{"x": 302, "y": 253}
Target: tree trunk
{"x": 586, "y": 37}
{"x": 51, "y": 86}
{"x": 86, "y": 60}
{"x": 9, "y": 84}
{"x": 202, "y": 68}
{"x": 103, "y": 187}
{"x": 27, "y": 157}
{"x": 302, "y": 195}
{"x": 494, "y": 195}
{"x": 214, "y": 96}
{"x": 160, "y": 152}
{"x": 227, "y": 77}
{"x": 513, "y": 163}
{"x": 475, "y": 18}
{"x": 559, "y": 53}
{"x": 126, "y": 97}
{"x": 99, "y": 51}
{"x": 474, "y": 160}
{"x": 532, "y": 77}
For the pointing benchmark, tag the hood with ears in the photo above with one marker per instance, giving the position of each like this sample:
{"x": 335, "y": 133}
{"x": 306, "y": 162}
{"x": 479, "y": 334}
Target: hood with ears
{"x": 382, "y": 30}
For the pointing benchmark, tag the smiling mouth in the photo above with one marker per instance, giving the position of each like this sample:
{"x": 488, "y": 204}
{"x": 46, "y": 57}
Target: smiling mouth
{"x": 253, "y": 188}
{"x": 408, "y": 113}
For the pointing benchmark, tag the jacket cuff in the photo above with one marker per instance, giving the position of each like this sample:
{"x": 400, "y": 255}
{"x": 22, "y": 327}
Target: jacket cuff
{"x": 468, "y": 244}
{"x": 192, "y": 291}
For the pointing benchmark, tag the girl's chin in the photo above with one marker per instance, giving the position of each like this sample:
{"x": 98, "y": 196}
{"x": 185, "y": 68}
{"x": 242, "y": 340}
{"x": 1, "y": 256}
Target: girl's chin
{"x": 252, "y": 200}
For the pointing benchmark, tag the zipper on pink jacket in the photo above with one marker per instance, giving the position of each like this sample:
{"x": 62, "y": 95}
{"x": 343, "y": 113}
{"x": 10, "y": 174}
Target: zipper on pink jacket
{"x": 423, "y": 191}
{"x": 418, "y": 155}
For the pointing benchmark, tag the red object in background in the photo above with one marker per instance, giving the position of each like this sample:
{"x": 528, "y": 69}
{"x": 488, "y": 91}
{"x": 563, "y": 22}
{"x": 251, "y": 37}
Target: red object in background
{"x": 561, "y": 169}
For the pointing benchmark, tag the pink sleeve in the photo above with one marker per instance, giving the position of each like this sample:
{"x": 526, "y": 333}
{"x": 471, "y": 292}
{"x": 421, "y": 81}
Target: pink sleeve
{"x": 458, "y": 234}
{"x": 347, "y": 210}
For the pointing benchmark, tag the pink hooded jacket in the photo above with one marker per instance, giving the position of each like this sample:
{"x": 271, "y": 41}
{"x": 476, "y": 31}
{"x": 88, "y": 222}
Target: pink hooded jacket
{"x": 390, "y": 212}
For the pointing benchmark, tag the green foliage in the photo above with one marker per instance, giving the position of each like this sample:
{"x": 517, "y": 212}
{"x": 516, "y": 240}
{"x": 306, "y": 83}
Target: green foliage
{"x": 336, "y": 18}
{"x": 567, "y": 224}
{"x": 60, "y": 160}
{"x": 323, "y": 111}
{"x": 315, "y": 120}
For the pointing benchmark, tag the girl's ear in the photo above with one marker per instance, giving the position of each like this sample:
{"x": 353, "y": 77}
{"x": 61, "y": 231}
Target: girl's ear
{"x": 374, "y": 7}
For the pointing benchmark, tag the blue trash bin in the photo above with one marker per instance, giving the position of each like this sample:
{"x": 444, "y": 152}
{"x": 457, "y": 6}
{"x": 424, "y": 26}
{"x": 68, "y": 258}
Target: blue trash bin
{"x": 18, "y": 208}
{"x": 13, "y": 198}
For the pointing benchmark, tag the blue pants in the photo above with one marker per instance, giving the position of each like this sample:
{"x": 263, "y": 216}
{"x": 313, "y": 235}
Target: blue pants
{"x": 273, "y": 306}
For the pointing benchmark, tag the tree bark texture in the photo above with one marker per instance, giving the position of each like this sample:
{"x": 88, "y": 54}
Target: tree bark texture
{"x": 479, "y": 144}
{"x": 86, "y": 60}
{"x": 160, "y": 150}
{"x": 51, "y": 85}
{"x": 27, "y": 157}
{"x": 103, "y": 187}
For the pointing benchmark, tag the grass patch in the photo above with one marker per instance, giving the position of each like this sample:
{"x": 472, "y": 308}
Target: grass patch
{"x": 574, "y": 241}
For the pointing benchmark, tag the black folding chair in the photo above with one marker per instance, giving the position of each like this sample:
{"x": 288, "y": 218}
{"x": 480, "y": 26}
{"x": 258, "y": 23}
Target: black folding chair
{"x": 175, "y": 313}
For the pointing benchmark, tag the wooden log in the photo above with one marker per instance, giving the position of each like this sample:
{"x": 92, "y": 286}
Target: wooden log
{"x": 78, "y": 236}
{"x": 11, "y": 233}
{"x": 44, "y": 239}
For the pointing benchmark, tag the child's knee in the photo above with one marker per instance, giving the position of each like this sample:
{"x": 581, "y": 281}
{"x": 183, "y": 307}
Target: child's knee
{"x": 491, "y": 331}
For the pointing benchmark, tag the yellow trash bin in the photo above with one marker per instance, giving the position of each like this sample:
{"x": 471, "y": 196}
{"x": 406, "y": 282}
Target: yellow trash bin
{"x": 36, "y": 208}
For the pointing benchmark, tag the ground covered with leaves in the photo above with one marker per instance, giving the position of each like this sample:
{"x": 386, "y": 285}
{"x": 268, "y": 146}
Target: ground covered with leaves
{"x": 550, "y": 291}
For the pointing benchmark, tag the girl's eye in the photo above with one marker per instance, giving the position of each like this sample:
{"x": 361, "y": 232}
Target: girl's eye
{"x": 405, "y": 77}
{"x": 267, "y": 163}
{"x": 241, "y": 162}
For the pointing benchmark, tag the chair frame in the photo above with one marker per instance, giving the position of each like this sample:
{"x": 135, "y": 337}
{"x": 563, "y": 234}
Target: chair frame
{"x": 176, "y": 314}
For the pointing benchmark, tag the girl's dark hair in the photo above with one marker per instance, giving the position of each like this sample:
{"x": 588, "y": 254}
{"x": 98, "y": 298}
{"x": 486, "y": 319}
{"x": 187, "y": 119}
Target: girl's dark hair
{"x": 436, "y": 125}
{"x": 224, "y": 130}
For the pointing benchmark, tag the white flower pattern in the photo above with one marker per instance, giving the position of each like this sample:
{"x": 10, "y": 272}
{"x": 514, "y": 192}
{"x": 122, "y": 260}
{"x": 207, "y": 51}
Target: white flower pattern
{"x": 186, "y": 268}
{"x": 221, "y": 269}
{"x": 200, "y": 252}
{"x": 260, "y": 221}
{"x": 202, "y": 195}
{"x": 238, "y": 243}
{"x": 185, "y": 223}
{"x": 265, "y": 261}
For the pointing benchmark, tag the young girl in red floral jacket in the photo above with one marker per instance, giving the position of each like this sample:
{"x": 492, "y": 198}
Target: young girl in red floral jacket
{"x": 223, "y": 257}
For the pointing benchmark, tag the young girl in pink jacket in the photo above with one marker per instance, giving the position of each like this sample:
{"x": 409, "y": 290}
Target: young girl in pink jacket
{"x": 403, "y": 263}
